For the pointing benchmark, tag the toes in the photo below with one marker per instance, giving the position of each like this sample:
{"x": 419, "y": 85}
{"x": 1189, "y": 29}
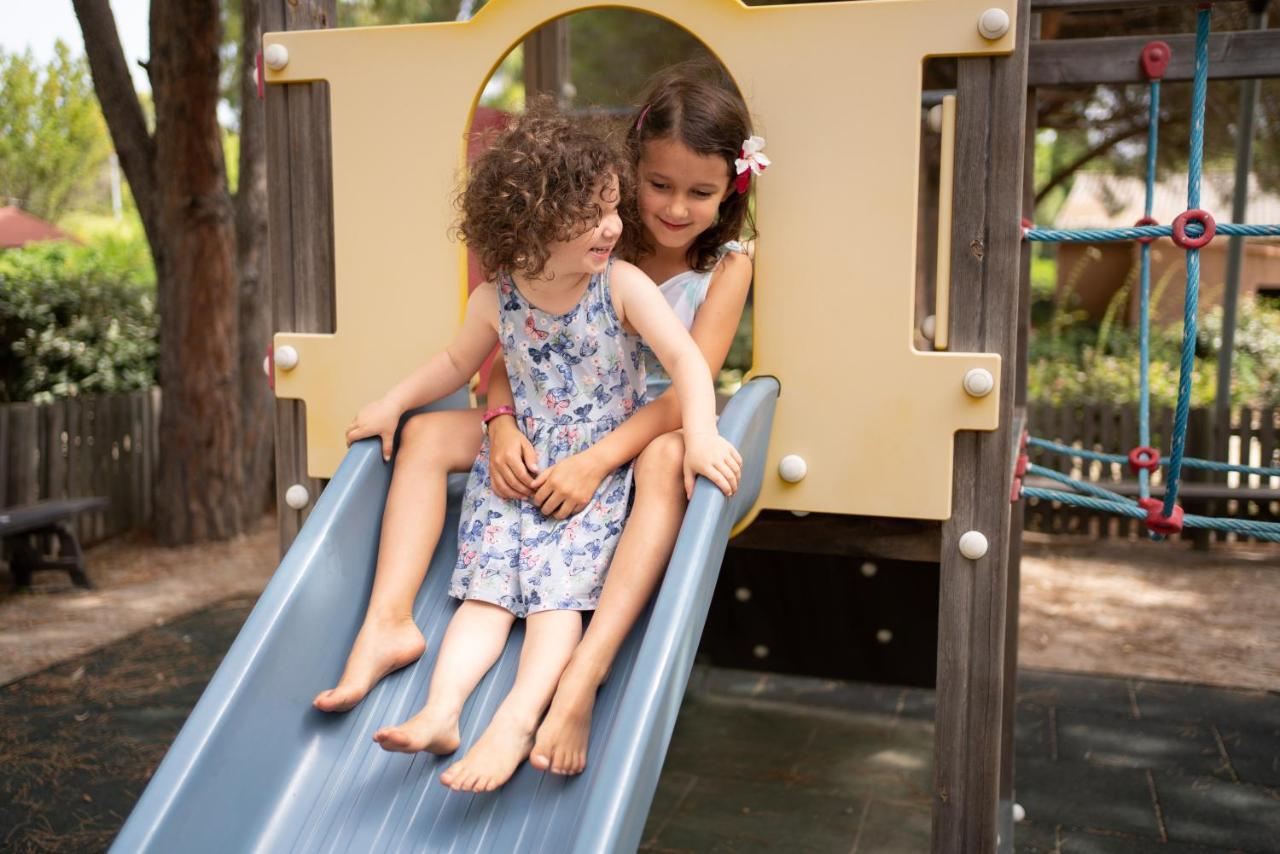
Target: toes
{"x": 541, "y": 762}
{"x": 392, "y": 740}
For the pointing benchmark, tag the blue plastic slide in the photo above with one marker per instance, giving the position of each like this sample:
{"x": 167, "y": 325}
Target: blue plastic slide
{"x": 256, "y": 768}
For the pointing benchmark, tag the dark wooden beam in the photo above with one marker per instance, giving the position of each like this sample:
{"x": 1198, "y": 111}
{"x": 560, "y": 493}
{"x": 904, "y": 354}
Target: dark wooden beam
{"x": 299, "y": 235}
{"x": 546, "y": 60}
{"x": 852, "y": 536}
{"x": 1086, "y": 62}
{"x": 986, "y": 252}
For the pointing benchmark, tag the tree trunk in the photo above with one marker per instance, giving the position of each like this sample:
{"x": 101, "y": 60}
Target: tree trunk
{"x": 199, "y": 491}
{"x": 257, "y": 406}
{"x": 179, "y": 181}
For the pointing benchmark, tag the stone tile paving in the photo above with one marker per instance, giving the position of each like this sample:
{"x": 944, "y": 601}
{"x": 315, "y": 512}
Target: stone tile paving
{"x": 1127, "y": 765}
{"x": 757, "y": 763}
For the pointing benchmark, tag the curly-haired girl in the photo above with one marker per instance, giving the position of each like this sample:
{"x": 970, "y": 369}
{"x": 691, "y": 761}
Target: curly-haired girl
{"x": 541, "y": 211}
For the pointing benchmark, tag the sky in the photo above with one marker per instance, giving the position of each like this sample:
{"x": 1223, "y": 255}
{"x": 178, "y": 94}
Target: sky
{"x": 37, "y": 24}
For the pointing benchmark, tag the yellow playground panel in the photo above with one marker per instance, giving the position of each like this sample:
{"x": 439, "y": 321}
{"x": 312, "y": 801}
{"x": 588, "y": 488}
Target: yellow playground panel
{"x": 865, "y": 423}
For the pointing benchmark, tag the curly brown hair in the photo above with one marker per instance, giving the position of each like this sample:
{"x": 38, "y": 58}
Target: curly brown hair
{"x": 536, "y": 185}
{"x": 696, "y": 104}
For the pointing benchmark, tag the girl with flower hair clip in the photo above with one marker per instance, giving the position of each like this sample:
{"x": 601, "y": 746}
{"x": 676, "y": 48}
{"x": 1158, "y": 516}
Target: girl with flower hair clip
{"x": 695, "y": 157}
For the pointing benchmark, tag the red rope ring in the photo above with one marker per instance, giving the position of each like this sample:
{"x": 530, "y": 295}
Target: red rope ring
{"x": 1144, "y": 458}
{"x": 1156, "y": 521}
{"x": 1180, "y": 228}
{"x": 1146, "y": 220}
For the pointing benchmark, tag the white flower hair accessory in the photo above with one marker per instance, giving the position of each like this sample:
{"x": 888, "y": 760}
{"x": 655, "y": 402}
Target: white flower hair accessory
{"x": 751, "y": 161}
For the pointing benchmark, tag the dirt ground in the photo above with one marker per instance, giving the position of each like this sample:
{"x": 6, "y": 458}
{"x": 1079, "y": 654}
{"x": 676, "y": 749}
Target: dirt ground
{"x": 1151, "y": 610}
{"x": 137, "y": 585}
{"x": 1157, "y": 610}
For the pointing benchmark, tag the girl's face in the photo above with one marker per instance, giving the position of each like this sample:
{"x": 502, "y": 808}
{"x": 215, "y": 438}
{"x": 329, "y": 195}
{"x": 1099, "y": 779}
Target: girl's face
{"x": 589, "y": 251}
{"x": 680, "y": 192}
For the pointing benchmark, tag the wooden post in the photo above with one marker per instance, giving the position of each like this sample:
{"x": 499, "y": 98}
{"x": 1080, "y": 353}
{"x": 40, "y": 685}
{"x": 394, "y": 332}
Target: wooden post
{"x": 546, "y": 60}
{"x": 1235, "y": 248}
{"x": 300, "y": 235}
{"x": 1017, "y": 519}
{"x": 986, "y": 251}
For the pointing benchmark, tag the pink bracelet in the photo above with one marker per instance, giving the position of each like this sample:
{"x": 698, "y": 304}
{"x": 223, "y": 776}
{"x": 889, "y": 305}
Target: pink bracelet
{"x": 495, "y": 412}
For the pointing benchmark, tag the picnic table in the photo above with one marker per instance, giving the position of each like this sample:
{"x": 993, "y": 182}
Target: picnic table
{"x": 28, "y": 533}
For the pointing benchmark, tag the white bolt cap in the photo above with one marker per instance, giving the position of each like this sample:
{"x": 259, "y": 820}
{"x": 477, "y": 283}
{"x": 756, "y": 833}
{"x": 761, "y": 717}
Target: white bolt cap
{"x": 760, "y": 651}
{"x": 287, "y": 358}
{"x": 266, "y": 365}
{"x": 978, "y": 382}
{"x": 276, "y": 56}
{"x": 800, "y": 513}
{"x": 297, "y": 496}
{"x": 1018, "y": 812}
{"x": 929, "y": 326}
{"x": 993, "y": 23}
{"x": 869, "y": 569}
{"x": 792, "y": 468}
{"x": 884, "y": 636}
{"x": 742, "y": 594}
{"x": 973, "y": 544}
{"x": 934, "y": 119}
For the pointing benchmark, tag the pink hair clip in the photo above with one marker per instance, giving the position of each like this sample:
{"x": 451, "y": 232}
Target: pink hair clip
{"x": 643, "y": 113}
{"x": 751, "y": 161}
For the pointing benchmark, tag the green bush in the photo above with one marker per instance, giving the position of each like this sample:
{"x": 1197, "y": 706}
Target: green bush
{"x": 1073, "y": 362}
{"x": 76, "y": 319}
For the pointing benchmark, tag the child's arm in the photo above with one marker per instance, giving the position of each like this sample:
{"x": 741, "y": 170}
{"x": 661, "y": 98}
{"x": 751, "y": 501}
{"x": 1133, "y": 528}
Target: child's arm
{"x": 439, "y": 375}
{"x": 714, "y": 326}
{"x": 570, "y": 483}
{"x": 641, "y": 306}
{"x": 513, "y": 463}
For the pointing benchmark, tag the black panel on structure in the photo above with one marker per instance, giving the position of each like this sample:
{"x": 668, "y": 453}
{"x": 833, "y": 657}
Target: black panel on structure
{"x": 833, "y": 616}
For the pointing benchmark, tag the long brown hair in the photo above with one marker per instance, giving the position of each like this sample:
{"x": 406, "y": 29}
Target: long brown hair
{"x": 695, "y": 104}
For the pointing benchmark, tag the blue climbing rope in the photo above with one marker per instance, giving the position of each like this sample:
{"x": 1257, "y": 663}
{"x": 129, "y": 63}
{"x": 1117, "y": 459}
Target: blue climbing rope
{"x": 1133, "y": 232}
{"x": 1078, "y": 485}
{"x": 1144, "y": 309}
{"x": 1191, "y": 303}
{"x": 1187, "y": 462}
{"x": 1184, "y": 227}
{"x": 1269, "y": 531}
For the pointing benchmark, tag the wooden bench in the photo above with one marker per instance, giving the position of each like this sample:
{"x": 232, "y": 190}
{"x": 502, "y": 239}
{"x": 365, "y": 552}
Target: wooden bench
{"x": 28, "y": 531}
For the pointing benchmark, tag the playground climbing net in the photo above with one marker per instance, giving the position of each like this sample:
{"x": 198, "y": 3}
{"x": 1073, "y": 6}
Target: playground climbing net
{"x": 1191, "y": 230}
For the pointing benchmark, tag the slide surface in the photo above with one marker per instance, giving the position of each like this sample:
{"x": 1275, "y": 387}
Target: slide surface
{"x": 256, "y": 768}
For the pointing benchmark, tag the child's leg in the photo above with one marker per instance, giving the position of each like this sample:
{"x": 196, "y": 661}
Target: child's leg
{"x": 638, "y": 564}
{"x": 431, "y": 446}
{"x": 472, "y": 643}
{"x": 549, "y": 639}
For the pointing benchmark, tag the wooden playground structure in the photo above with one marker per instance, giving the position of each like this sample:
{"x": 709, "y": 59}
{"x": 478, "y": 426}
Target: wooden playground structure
{"x": 941, "y": 428}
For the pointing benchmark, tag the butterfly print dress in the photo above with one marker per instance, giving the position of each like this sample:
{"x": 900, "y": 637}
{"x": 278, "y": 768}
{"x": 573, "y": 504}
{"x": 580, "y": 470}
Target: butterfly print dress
{"x": 575, "y": 377}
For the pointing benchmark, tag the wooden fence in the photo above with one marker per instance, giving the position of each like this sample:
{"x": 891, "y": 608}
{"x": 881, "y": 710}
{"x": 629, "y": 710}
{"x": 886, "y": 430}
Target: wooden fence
{"x": 82, "y": 447}
{"x": 1114, "y": 429}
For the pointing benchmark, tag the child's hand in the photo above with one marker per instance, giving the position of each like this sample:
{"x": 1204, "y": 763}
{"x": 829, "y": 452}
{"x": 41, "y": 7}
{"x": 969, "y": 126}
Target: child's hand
{"x": 380, "y": 419}
{"x": 568, "y": 486}
{"x": 513, "y": 463}
{"x": 712, "y": 456}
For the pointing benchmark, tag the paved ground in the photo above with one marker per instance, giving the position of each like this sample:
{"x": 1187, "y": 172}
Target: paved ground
{"x": 758, "y": 763}
{"x": 1159, "y": 611}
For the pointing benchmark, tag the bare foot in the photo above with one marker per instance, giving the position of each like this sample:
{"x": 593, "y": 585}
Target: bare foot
{"x": 380, "y": 648}
{"x": 492, "y": 760}
{"x": 430, "y": 730}
{"x": 561, "y": 745}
